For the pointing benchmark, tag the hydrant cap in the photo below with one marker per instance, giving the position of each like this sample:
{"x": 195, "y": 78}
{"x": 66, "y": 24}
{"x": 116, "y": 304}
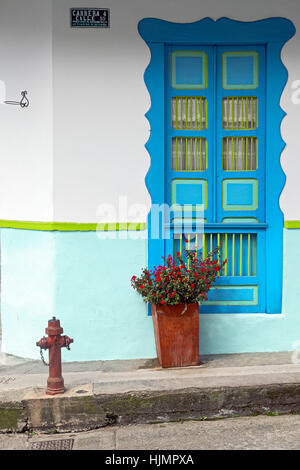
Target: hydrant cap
{"x": 54, "y": 327}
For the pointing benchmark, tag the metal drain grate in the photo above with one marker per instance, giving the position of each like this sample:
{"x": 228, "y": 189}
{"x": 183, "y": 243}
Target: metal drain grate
{"x": 58, "y": 444}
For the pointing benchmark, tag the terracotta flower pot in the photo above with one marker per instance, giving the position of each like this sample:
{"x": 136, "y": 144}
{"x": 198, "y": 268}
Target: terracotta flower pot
{"x": 176, "y": 329}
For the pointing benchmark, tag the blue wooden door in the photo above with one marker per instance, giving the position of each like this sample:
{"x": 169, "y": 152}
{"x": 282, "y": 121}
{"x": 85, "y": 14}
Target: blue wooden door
{"x": 215, "y": 157}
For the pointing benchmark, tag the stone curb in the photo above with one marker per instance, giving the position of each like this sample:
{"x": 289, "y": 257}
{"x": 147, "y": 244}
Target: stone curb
{"x": 87, "y": 410}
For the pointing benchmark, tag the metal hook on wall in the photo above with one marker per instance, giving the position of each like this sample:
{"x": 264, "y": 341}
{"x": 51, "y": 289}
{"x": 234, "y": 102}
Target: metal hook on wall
{"x": 24, "y": 102}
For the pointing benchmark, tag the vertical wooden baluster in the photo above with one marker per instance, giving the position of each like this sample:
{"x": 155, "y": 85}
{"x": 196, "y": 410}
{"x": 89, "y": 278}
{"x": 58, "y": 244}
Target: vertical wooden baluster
{"x": 186, "y": 153}
{"x": 233, "y": 254}
{"x": 256, "y": 148}
{"x": 181, "y": 150}
{"x": 201, "y": 112}
{"x": 242, "y": 118}
{"x": 227, "y": 113}
{"x": 226, "y": 252}
{"x": 227, "y": 153}
{"x": 248, "y": 254}
{"x": 241, "y": 254}
{"x": 181, "y": 106}
{"x": 194, "y": 153}
{"x": 186, "y": 112}
{"x": 200, "y": 139}
{"x": 242, "y": 154}
{"x": 218, "y": 241}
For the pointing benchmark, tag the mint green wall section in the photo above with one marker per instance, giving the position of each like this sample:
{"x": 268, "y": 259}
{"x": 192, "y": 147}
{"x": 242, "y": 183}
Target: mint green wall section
{"x": 93, "y": 293}
{"x": 85, "y": 282}
{"x": 27, "y": 289}
{"x": 82, "y": 280}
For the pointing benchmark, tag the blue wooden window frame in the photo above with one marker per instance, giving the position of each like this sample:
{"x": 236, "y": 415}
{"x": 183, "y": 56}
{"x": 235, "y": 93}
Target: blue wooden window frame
{"x": 272, "y": 33}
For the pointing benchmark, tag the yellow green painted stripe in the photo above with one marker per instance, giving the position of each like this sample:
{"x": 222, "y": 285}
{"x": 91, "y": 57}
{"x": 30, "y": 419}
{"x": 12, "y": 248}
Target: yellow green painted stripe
{"x": 292, "y": 224}
{"x": 72, "y": 226}
{"x": 86, "y": 227}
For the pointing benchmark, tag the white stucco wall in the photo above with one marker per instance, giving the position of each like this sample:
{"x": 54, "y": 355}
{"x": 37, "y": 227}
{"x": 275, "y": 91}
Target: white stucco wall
{"x": 26, "y": 154}
{"x": 88, "y": 85}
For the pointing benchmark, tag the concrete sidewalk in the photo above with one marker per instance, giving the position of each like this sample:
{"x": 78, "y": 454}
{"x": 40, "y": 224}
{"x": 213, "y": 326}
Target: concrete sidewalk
{"x": 246, "y": 433}
{"x": 101, "y": 393}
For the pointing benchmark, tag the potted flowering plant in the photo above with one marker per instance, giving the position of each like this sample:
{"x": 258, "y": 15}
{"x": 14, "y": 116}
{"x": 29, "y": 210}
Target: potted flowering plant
{"x": 174, "y": 291}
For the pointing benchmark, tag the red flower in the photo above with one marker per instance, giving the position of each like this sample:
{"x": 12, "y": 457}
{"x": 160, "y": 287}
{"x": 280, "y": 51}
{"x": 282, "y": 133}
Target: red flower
{"x": 160, "y": 284}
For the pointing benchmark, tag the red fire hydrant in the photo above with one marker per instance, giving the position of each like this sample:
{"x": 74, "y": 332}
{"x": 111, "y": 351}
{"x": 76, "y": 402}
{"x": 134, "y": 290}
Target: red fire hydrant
{"x": 54, "y": 342}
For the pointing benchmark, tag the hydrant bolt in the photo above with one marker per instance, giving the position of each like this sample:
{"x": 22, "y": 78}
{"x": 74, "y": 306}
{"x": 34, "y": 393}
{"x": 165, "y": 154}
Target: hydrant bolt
{"x": 42, "y": 343}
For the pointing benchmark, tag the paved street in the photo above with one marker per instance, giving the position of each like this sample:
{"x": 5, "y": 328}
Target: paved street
{"x": 240, "y": 433}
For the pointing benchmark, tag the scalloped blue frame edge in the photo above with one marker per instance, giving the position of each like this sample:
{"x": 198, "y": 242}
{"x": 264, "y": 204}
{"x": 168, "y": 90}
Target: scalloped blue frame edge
{"x": 274, "y": 33}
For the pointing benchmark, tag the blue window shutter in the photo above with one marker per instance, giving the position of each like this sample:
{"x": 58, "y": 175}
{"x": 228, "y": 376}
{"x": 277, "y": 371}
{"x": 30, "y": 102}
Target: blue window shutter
{"x": 221, "y": 148}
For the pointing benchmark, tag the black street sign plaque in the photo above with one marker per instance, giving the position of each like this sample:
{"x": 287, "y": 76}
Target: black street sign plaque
{"x": 89, "y": 17}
